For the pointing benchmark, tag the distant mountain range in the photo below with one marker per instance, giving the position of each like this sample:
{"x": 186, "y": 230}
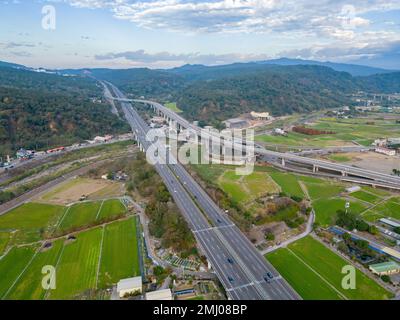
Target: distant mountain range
{"x": 193, "y": 69}
{"x": 353, "y": 69}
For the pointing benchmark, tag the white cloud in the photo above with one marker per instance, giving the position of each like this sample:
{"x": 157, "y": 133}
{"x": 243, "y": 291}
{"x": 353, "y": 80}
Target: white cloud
{"x": 304, "y": 16}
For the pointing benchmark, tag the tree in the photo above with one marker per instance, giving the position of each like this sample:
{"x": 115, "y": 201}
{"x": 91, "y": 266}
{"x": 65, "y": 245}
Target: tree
{"x": 373, "y": 230}
{"x": 346, "y": 236}
{"x": 269, "y": 236}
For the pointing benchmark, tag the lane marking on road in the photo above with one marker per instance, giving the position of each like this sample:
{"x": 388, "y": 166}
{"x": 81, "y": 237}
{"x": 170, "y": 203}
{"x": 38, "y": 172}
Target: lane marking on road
{"x": 242, "y": 286}
{"x": 213, "y": 228}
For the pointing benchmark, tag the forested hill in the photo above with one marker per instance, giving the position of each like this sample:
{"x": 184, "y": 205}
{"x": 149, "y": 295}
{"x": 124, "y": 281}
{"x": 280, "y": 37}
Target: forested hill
{"x": 215, "y": 93}
{"x": 39, "y": 110}
{"x": 278, "y": 90}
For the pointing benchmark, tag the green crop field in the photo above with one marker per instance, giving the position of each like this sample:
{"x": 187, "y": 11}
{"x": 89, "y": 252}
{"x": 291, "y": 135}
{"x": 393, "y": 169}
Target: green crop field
{"x": 5, "y": 238}
{"x": 77, "y": 269}
{"x": 326, "y": 266}
{"x": 31, "y": 220}
{"x": 98, "y": 258}
{"x": 111, "y": 209}
{"x": 365, "y": 196}
{"x": 12, "y": 265}
{"x": 288, "y": 183}
{"x": 120, "y": 256}
{"x": 303, "y": 280}
{"x": 339, "y": 158}
{"x": 79, "y": 215}
{"x": 347, "y": 130}
{"x": 243, "y": 189}
{"x": 389, "y": 208}
{"x": 323, "y": 190}
{"x": 326, "y": 209}
{"x": 29, "y": 286}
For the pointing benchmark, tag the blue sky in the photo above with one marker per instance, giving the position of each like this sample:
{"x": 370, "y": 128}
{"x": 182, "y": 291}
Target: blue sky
{"x": 167, "y": 33}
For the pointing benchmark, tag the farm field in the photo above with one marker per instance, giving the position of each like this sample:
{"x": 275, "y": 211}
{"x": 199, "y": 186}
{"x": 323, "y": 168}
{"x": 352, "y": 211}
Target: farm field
{"x": 389, "y": 208}
{"x": 79, "y": 215}
{"x": 288, "y": 183}
{"x": 29, "y": 286}
{"x": 120, "y": 256}
{"x": 12, "y": 265}
{"x": 326, "y": 209}
{"x": 361, "y": 130}
{"x": 365, "y": 196}
{"x": 5, "y": 238}
{"x": 243, "y": 189}
{"x": 77, "y": 269}
{"x": 325, "y": 267}
{"x": 95, "y": 258}
{"x": 306, "y": 282}
{"x": 71, "y": 191}
{"x": 323, "y": 190}
{"x": 31, "y": 221}
{"x": 111, "y": 209}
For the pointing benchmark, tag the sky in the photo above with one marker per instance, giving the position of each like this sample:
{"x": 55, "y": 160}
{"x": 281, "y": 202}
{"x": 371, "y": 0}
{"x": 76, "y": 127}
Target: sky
{"x": 169, "y": 33}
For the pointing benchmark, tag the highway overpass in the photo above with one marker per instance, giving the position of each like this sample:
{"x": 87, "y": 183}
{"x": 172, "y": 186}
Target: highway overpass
{"x": 345, "y": 171}
{"x": 242, "y": 270}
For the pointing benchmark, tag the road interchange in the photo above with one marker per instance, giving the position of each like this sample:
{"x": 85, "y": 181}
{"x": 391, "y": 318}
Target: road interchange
{"x": 242, "y": 270}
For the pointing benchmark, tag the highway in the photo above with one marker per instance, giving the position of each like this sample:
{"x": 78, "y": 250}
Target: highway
{"x": 345, "y": 170}
{"x": 241, "y": 269}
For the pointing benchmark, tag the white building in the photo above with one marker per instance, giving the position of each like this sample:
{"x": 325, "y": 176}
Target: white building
{"x": 164, "y": 294}
{"x": 103, "y": 139}
{"x": 236, "y": 123}
{"x": 129, "y": 286}
{"x": 260, "y": 115}
{"x": 279, "y": 131}
{"x": 353, "y": 189}
{"x": 380, "y": 142}
{"x": 386, "y": 151}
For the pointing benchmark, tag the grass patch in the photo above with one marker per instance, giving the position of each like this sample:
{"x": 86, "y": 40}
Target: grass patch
{"x": 120, "y": 256}
{"x": 4, "y": 240}
{"x": 288, "y": 183}
{"x": 339, "y": 158}
{"x": 234, "y": 190}
{"x": 173, "y": 107}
